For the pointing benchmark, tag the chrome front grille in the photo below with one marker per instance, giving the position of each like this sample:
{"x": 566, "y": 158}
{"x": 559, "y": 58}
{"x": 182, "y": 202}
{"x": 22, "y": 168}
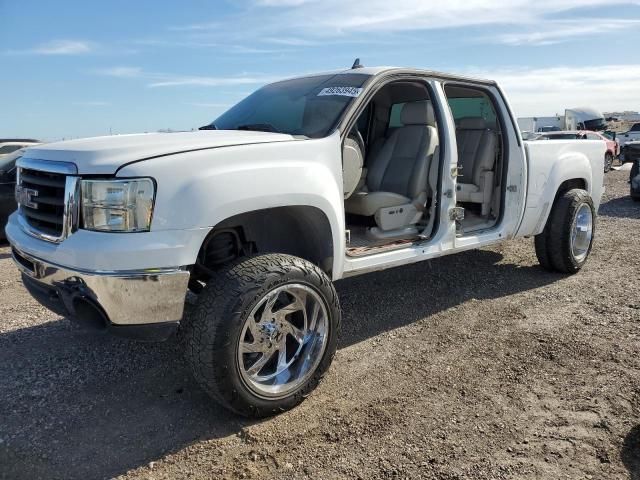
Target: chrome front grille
{"x": 47, "y": 198}
{"x": 42, "y": 200}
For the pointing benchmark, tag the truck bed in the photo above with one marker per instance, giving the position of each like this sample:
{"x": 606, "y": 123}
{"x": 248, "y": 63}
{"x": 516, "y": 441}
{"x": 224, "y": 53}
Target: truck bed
{"x": 545, "y": 174}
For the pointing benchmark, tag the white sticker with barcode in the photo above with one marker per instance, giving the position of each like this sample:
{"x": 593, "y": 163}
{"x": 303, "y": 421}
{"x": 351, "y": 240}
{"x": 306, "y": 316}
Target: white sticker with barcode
{"x": 342, "y": 91}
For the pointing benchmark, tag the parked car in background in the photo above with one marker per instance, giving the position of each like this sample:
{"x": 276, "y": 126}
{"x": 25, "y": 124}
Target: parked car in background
{"x": 579, "y": 118}
{"x": 612, "y": 146}
{"x": 10, "y": 145}
{"x": 613, "y": 149}
{"x": 7, "y": 187}
{"x": 633, "y": 135}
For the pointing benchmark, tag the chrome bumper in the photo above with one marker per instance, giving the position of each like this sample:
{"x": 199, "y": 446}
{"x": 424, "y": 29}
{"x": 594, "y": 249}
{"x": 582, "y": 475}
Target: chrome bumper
{"x": 125, "y": 298}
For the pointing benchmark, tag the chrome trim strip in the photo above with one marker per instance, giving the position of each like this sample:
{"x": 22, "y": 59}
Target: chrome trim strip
{"x": 71, "y": 215}
{"x": 106, "y": 273}
{"x": 132, "y": 297}
{"x": 65, "y": 168}
{"x": 28, "y": 229}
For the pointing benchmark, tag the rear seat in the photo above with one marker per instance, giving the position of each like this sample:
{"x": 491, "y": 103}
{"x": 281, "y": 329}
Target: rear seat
{"x": 476, "y": 157}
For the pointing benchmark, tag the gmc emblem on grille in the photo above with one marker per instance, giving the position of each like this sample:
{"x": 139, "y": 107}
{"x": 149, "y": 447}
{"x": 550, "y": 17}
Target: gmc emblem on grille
{"x": 25, "y": 196}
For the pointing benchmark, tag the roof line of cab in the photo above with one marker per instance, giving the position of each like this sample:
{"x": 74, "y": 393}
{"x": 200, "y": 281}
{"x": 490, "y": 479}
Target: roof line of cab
{"x": 378, "y": 71}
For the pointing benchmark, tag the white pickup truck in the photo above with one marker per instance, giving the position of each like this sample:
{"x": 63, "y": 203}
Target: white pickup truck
{"x": 304, "y": 182}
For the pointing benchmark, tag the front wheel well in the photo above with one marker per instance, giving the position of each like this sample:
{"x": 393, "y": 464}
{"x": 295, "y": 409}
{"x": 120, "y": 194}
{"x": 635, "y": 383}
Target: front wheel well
{"x": 301, "y": 231}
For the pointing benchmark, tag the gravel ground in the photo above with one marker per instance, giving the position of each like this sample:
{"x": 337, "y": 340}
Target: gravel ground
{"x": 475, "y": 366}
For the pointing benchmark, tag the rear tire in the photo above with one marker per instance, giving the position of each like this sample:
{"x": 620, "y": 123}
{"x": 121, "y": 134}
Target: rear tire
{"x": 635, "y": 170}
{"x": 608, "y": 162}
{"x": 247, "y": 316}
{"x": 565, "y": 243}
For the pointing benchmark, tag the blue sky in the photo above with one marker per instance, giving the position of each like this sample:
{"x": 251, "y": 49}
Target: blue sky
{"x": 82, "y": 68}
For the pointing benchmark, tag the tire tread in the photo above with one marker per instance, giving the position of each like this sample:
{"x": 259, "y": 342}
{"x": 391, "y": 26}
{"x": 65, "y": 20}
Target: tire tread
{"x": 208, "y": 333}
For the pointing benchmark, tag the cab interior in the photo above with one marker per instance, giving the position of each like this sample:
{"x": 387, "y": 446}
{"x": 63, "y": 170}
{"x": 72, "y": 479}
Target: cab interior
{"x": 390, "y": 169}
{"x": 479, "y": 139}
{"x": 391, "y": 160}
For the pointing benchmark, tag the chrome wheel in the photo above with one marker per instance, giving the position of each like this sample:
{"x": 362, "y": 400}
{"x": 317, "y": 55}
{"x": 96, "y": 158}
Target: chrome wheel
{"x": 582, "y": 232}
{"x": 283, "y": 340}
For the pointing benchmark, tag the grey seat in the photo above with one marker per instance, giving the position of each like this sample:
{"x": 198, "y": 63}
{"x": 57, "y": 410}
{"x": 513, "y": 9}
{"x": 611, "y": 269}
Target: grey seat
{"x": 397, "y": 174}
{"x": 477, "y": 156}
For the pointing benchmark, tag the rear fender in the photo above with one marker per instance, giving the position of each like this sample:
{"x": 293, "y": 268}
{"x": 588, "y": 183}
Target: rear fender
{"x": 546, "y": 181}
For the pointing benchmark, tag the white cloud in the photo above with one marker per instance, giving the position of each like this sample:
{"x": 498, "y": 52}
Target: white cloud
{"x": 546, "y": 91}
{"x": 159, "y": 79}
{"x": 324, "y": 18}
{"x": 555, "y": 32}
{"x": 120, "y": 72}
{"x": 197, "y": 26}
{"x": 293, "y": 41}
{"x": 203, "y": 81}
{"x": 57, "y": 47}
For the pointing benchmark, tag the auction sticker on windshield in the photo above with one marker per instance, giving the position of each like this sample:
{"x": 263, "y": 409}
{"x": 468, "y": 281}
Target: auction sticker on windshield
{"x": 342, "y": 91}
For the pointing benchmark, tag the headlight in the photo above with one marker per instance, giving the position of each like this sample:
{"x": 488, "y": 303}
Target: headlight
{"x": 118, "y": 205}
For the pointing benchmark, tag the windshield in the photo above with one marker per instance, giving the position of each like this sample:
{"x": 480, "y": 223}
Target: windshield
{"x": 310, "y": 106}
{"x": 9, "y": 148}
{"x": 8, "y": 162}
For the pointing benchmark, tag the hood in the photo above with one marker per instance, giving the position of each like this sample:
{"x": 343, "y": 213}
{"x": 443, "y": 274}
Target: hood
{"x": 104, "y": 155}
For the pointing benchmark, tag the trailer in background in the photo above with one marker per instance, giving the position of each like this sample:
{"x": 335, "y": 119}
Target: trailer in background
{"x": 582, "y": 118}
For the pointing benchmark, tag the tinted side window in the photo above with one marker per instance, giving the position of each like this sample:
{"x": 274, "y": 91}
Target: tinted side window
{"x": 473, "y": 107}
{"x": 394, "y": 118}
{"x": 593, "y": 136}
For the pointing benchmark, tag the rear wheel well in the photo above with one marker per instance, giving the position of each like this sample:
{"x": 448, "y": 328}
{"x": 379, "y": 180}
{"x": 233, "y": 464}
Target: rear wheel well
{"x": 302, "y": 231}
{"x": 570, "y": 185}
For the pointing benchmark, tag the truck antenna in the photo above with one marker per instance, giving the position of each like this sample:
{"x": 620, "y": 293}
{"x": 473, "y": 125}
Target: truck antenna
{"x": 356, "y": 64}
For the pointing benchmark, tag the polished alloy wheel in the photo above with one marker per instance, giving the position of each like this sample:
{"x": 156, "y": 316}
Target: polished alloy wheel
{"x": 283, "y": 340}
{"x": 582, "y": 232}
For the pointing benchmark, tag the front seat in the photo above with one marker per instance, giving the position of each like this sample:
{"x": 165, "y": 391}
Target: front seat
{"x": 477, "y": 156}
{"x": 397, "y": 175}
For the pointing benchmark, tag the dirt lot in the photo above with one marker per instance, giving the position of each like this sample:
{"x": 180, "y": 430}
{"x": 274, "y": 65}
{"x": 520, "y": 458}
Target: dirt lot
{"x": 475, "y": 366}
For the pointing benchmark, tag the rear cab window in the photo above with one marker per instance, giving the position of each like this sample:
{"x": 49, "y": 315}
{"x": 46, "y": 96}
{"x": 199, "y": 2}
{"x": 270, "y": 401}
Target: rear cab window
{"x": 474, "y": 107}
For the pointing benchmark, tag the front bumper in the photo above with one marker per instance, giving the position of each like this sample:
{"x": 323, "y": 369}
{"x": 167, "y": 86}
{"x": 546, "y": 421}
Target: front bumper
{"x": 121, "y": 299}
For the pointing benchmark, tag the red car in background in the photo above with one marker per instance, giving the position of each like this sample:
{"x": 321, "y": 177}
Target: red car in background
{"x": 613, "y": 149}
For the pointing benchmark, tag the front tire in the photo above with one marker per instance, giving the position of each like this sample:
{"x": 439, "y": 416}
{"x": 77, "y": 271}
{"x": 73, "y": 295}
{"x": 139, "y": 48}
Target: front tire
{"x": 264, "y": 333}
{"x": 565, "y": 243}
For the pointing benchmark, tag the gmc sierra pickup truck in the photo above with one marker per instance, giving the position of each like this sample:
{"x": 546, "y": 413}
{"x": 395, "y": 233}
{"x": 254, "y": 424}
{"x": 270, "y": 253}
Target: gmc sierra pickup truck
{"x": 306, "y": 181}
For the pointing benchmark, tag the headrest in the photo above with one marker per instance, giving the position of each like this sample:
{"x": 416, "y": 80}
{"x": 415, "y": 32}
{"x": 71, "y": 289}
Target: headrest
{"x": 472, "y": 123}
{"x": 418, "y": 113}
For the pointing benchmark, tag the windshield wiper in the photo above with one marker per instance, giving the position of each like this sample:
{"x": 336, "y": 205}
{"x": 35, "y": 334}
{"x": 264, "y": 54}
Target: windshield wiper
{"x": 258, "y": 127}
{"x": 208, "y": 127}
